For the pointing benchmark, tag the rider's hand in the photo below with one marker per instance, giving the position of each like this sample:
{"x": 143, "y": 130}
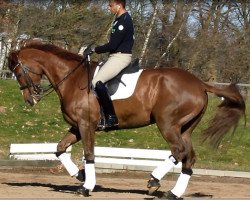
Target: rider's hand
{"x": 89, "y": 50}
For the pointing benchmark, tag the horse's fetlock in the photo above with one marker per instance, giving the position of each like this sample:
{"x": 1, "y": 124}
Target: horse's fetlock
{"x": 58, "y": 153}
{"x": 90, "y": 161}
{"x": 89, "y": 157}
{"x": 187, "y": 171}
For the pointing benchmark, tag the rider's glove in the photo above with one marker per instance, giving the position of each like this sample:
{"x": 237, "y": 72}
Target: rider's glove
{"x": 88, "y": 51}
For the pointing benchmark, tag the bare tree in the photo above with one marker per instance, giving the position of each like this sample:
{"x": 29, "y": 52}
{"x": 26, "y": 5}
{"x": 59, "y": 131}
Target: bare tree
{"x": 144, "y": 48}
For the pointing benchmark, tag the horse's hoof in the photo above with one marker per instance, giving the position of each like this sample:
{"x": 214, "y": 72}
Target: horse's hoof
{"x": 153, "y": 186}
{"x": 170, "y": 196}
{"x": 81, "y": 175}
{"x": 83, "y": 191}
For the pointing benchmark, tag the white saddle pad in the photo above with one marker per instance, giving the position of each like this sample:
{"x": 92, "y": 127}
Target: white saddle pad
{"x": 125, "y": 91}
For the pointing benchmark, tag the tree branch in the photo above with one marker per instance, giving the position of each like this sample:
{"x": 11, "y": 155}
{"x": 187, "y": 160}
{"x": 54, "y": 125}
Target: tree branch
{"x": 169, "y": 46}
{"x": 148, "y": 34}
{"x": 171, "y": 43}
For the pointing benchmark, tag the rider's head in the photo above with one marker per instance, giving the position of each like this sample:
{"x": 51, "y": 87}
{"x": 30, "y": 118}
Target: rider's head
{"x": 117, "y": 6}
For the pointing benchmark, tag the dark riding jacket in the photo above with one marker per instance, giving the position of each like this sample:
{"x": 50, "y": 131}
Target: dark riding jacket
{"x": 121, "y": 38}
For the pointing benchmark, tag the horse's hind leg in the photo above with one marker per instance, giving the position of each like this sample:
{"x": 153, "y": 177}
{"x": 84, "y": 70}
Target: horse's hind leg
{"x": 72, "y": 137}
{"x": 187, "y": 161}
{"x": 159, "y": 173}
{"x": 186, "y": 172}
{"x": 179, "y": 139}
{"x": 177, "y": 146}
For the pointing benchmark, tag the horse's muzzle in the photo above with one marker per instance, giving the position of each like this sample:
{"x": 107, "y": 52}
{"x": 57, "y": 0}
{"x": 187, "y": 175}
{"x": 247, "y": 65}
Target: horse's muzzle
{"x": 32, "y": 100}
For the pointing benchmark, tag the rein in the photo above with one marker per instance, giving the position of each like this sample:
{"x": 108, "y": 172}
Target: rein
{"x": 52, "y": 88}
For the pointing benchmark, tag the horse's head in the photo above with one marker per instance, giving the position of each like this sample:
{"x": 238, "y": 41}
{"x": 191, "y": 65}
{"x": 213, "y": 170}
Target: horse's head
{"x": 28, "y": 75}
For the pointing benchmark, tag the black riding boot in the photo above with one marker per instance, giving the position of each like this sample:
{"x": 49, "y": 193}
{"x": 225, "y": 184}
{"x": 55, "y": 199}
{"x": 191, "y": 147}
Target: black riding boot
{"x": 107, "y": 105}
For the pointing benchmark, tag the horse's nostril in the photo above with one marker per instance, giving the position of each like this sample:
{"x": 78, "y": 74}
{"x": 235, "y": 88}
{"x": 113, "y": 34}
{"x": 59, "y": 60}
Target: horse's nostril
{"x": 30, "y": 101}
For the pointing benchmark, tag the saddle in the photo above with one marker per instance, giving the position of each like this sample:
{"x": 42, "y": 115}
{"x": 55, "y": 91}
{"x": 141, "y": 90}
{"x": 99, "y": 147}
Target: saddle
{"x": 113, "y": 84}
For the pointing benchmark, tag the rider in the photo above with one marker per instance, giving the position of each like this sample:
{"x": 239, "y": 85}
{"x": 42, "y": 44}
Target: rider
{"x": 119, "y": 48}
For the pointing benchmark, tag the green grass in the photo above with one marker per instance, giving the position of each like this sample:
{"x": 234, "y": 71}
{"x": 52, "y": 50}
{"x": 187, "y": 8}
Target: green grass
{"x": 44, "y": 123}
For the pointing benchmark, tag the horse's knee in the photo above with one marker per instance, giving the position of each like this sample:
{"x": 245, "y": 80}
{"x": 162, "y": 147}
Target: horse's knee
{"x": 61, "y": 146}
{"x": 69, "y": 139}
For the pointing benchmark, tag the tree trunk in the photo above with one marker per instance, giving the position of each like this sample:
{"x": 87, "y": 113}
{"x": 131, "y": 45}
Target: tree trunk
{"x": 148, "y": 34}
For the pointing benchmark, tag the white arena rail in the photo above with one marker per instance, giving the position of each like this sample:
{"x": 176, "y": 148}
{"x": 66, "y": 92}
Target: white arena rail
{"x": 111, "y": 159}
{"x": 105, "y": 157}
{"x": 35, "y": 151}
{"x": 130, "y": 159}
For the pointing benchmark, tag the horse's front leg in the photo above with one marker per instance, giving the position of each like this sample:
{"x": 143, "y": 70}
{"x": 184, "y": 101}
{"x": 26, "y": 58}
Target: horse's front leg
{"x": 71, "y": 138}
{"x": 87, "y": 131}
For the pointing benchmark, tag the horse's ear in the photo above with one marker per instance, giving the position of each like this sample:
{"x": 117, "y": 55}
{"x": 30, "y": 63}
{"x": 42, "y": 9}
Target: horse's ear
{"x": 23, "y": 43}
{"x": 13, "y": 54}
{"x": 12, "y": 59}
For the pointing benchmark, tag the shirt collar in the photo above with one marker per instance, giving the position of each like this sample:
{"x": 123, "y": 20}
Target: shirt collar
{"x": 121, "y": 15}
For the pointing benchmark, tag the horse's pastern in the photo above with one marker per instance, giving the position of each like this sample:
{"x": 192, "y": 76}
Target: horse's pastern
{"x": 170, "y": 196}
{"x": 153, "y": 185}
{"x": 83, "y": 191}
{"x": 81, "y": 175}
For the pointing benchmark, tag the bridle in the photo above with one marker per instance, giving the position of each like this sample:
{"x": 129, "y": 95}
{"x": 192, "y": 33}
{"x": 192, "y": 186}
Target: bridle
{"x": 29, "y": 84}
{"x": 38, "y": 91}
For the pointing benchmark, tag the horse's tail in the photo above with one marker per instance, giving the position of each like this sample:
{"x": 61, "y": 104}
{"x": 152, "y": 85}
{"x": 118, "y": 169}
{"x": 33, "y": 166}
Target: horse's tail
{"x": 227, "y": 115}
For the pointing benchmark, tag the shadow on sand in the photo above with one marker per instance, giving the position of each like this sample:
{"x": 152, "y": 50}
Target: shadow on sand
{"x": 98, "y": 188}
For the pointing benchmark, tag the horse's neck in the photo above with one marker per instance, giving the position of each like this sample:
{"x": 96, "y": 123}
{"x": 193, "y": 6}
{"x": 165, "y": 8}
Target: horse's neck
{"x": 58, "y": 71}
{"x": 66, "y": 76}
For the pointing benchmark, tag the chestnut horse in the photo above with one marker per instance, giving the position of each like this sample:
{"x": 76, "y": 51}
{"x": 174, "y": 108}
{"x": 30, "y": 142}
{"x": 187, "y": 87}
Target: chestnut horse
{"x": 172, "y": 98}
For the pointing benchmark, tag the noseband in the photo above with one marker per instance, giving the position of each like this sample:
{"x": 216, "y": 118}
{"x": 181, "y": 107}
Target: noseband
{"x": 37, "y": 88}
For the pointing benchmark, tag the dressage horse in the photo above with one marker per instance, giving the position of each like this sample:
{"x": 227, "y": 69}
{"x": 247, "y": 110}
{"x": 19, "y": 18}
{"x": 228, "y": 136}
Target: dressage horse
{"x": 172, "y": 98}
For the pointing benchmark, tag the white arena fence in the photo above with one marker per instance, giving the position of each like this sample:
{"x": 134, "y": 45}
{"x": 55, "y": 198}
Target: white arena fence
{"x": 105, "y": 157}
{"x": 35, "y": 151}
{"x": 112, "y": 159}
